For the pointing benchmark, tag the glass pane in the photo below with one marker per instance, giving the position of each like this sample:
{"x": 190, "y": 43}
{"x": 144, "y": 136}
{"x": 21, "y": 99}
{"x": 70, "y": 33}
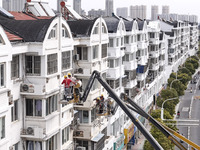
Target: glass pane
{"x": 29, "y": 107}
{"x": 38, "y": 107}
{"x": 85, "y": 116}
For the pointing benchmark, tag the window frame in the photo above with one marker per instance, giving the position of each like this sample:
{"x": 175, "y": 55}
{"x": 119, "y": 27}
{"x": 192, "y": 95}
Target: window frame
{"x": 32, "y": 111}
{"x": 82, "y": 52}
{"x": 66, "y": 60}
{"x": 52, "y": 63}
{"x": 2, "y": 129}
{"x": 51, "y": 104}
{"x": 2, "y": 75}
{"x": 33, "y": 63}
{"x": 15, "y": 111}
{"x": 15, "y": 67}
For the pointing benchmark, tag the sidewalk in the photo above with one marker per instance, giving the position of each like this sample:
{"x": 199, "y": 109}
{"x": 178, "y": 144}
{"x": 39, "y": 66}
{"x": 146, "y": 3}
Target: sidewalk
{"x": 140, "y": 141}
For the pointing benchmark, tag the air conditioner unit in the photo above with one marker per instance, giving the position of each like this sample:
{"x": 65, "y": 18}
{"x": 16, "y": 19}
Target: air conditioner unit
{"x": 76, "y": 57}
{"x": 11, "y": 148}
{"x": 30, "y": 131}
{"x": 80, "y": 70}
{"x": 29, "y": 88}
{"x": 80, "y": 148}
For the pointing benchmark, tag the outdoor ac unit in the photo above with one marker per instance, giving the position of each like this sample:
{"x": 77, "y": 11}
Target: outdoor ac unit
{"x": 80, "y": 70}
{"x": 29, "y": 88}
{"x": 30, "y": 131}
{"x": 11, "y": 148}
{"x": 80, "y": 148}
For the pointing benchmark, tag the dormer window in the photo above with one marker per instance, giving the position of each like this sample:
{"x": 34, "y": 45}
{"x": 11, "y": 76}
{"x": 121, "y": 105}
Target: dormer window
{"x": 96, "y": 29}
{"x": 65, "y": 33}
{"x": 52, "y": 34}
{"x": 103, "y": 29}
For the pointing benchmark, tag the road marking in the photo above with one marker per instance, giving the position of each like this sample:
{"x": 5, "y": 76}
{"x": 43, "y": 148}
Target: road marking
{"x": 190, "y": 112}
{"x": 185, "y": 108}
{"x": 188, "y": 137}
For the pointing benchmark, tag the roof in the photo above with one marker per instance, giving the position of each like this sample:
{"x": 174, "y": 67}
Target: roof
{"x": 80, "y": 28}
{"x": 140, "y": 24}
{"x": 112, "y": 24}
{"x": 128, "y": 25}
{"x": 33, "y": 30}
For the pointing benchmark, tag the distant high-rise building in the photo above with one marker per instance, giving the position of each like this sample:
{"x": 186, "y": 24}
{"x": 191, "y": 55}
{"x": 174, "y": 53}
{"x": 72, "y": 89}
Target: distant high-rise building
{"x": 77, "y": 6}
{"x": 138, "y": 11}
{"x": 122, "y": 12}
{"x": 154, "y": 12}
{"x": 165, "y": 9}
{"x": 96, "y": 13}
{"x": 109, "y": 7}
{"x": 13, "y": 5}
{"x": 193, "y": 18}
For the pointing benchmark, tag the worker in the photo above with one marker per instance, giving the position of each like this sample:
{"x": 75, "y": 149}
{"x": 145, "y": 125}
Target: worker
{"x": 67, "y": 82}
{"x": 73, "y": 81}
{"x": 191, "y": 90}
{"x": 102, "y": 98}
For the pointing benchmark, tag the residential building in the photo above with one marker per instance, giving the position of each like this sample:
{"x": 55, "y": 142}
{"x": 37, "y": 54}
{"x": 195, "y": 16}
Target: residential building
{"x": 13, "y": 5}
{"x": 77, "y": 6}
{"x": 154, "y": 12}
{"x": 123, "y": 12}
{"x": 138, "y": 11}
{"x": 96, "y": 13}
{"x": 109, "y": 7}
{"x": 165, "y": 9}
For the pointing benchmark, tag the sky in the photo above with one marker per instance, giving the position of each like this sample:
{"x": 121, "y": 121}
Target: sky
{"x": 191, "y": 7}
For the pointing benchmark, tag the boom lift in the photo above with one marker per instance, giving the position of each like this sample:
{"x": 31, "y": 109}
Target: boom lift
{"x": 126, "y": 108}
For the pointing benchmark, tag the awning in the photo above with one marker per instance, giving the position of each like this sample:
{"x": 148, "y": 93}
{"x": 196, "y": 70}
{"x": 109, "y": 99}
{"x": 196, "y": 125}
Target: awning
{"x": 97, "y": 138}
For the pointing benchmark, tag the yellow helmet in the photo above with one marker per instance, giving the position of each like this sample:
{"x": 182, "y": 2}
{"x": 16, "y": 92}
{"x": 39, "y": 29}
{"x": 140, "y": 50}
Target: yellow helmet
{"x": 69, "y": 74}
{"x": 65, "y": 76}
{"x": 98, "y": 98}
{"x": 102, "y": 95}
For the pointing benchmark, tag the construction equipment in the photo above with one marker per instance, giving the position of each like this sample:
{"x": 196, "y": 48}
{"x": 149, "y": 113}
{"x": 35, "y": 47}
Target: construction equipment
{"x": 126, "y": 108}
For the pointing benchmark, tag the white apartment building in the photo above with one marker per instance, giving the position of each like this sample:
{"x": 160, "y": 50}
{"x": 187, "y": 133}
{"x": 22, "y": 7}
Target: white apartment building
{"x": 138, "y": 11}
{"x": 37, "y": 53}
{"x": 33, "y": 63}
{"x": 165, "y": 9}
{"x": 109, "y": 7}
{"x": 123, "y": 12}
{"x": 154, "y": 12}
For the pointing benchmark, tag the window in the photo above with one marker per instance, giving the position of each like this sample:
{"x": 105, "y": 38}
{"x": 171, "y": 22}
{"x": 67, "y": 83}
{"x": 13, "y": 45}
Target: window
{"x": 52, "y": 66}
{"x": 83, "y": 53}
{"x": 51, "y": 104}
{"x": 32, "y": 65}
{"x": 111, "y": 63}
{"x": 138, "y": 37}
{"x": 65, "y": 33}
{"x": 52, "y": 33}
{"x": 16, "y": 146}
{"x": 95, "y": 51}
{"x": 116, "y": 62}
{"x": 66, "y": 60}
{"x": 33, "y": 107}
{"x": 117, "y": 43}
{"x": 84, "y": 116}
{"x": 15, "y": 67}
{"x": 152, "y": 35}
{"x": 104, "y": 29}
{"x": 96, "y": 29}
{"x": 126, "y": 39}
{"x": 14, "y": 111}
{"x": 65, "y": 135}
{"x": 52, "y": 143}
{"x": 122, "y": 41}
{"x": 2, "y": 128}
{"x": 110, "y": 42}
{"x": 104, "y": 51}
{"x": 2, "y": 75}
{"x": 82, "y": 143}
{"x": 111, "y": 83}
{"x": 93, "y": 114}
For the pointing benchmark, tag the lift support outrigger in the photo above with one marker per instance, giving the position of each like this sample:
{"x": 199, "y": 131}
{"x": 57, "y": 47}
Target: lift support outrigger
{"x": 126, "y": 108}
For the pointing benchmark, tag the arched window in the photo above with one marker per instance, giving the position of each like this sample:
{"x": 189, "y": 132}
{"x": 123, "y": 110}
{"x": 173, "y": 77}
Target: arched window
{"x": 52, "y": 34}
{"x": 65, "y": 33}
{"x": 96, "y": 29}
{"x": 104, "y": 29}
{"x": 1, "y": 41}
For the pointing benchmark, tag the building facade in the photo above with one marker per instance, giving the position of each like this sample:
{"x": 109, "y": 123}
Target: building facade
{"x": 109, "y": 7}
{"x": 165, "y": 9}
{"x": 154, "y": 12}
{"x": 138, "y": 11}
{"x": 123, "y": 12}
{"x": 77, "y": 6}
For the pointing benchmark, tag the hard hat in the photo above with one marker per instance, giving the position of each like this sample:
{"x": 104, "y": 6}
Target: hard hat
{"x": 69, "y": 74}
{"x": 102, "y": 95}
{"x": 65, "y": 76}
{"x": 98, "y": 98}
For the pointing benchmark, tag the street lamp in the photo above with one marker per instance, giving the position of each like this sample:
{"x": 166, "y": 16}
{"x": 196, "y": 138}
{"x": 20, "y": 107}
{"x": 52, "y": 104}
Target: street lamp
{"x": 172, "y": 82}
{"x": 162, "y": 109}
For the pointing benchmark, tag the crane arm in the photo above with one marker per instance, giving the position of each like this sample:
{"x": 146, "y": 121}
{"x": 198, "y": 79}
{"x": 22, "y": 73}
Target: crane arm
{"x": 96, "y": 75}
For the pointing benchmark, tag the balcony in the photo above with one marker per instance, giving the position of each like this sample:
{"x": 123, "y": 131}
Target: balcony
{"x": 154, "y": 66}
{"x": 154, "y": 54}
{"x": 142, "y": 45}
{"x": 114, "y": 52}
{"x": 130, "y": 65}
{"x": 154, "y": 41}
{"x": 131, "y": 48}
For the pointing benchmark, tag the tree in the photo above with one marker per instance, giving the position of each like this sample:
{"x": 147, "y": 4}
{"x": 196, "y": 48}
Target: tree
{"x": 185, "y": 70}
{"x": 169, "y": 105}
{"x": 193, "y": 61}
{"x": 190, "y": 67}
{"x": 157, "y": 134}
{"x": 184, "y": 78}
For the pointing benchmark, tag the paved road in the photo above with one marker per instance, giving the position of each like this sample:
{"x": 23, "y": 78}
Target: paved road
{"x": 189, "y": 108}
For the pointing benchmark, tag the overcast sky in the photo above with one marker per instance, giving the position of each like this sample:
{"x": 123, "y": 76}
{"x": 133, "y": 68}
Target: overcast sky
{"x": 191, "y": 7}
